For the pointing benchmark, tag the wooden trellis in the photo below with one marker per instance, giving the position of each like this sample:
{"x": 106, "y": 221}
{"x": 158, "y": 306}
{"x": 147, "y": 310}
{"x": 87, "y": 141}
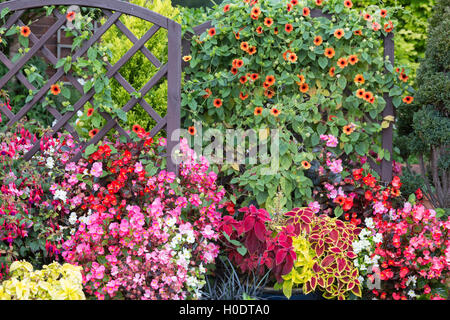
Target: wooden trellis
{"x": 385, "y": 168}
{"x": 113, "y": 9}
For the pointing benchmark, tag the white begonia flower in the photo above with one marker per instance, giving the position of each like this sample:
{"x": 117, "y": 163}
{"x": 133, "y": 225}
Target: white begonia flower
{"x": 378, "y": 238}
{"x": 73, "y": 218}
{"x": 201, "y": 268}
{"x": 369, "y": 223}
{"x": 50, "y": 163}
{"x": 171, "y": 222}
{"x": 190, "y": 238}
{"x": 411, "y": 279}
{"x": 79, "y": 113}
{"x": 412, "y": 294}
{"x": 60, "y": 194}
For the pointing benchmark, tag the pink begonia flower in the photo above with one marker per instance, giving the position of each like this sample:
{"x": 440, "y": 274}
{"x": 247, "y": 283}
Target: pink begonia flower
{"x": 376, "y": 26}
{"x": 194, "y": 200}
{"x": 314, "y": 206}
{"x": 335, "y": 166}
{"x": 97, "y": 169}
{"x": 138, "y": 167}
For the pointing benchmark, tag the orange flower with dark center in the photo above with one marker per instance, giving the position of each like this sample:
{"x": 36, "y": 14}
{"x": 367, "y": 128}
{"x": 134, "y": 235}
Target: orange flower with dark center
{"x": 368, "y": 95}
{"x": 395, "y": 192}
{"x": 408, "y": 99}
{"x": 252, "y": 50}
{"x": 55, "y": 89}
{"x": 348, "y": 3}
{"x": 243, "y": 96}
{"x": 243, "y": 79}
{"x": 70, "y": 16}
{"x": 342, "y": 63}
{"x": 259, "y": 30}
{"x": 217, "y": 102}
{"x": 359, "y": 79}
{"x": 269, "y": 93}
{"x": 255, "y": 12}
{"x": 226, "y": 8}
{"x": 275, "y": 30}
{"x": 329, "y": 53}
{"x": 301, "y": 78}
{"x": 192, "y": 131}
{"x": 331, "y": 117}
{"x": 237, "y": 63}
{"x": 254, "y": 76}
{"x": 294, "y": 2}
{"x": 357, "y": 33}
{"x": 187, "y": 58}
{"x": 306, "y": 165}
{"x": 275, "y": 112}
{"x": 268, "y": 22}
{"x": 236, "y": 35}
{"x": 339, "y": 33}
{"x": 288, "y": 28}
{"x": 371, "y": 100}
{"x": 340, "y": 200}
{"x": 90, "y": 112}
{"x": 234, "y": 70}
{"x": 270, "y": 80}
{"x": 25, "y": 31}
{"x": 318, "y": 40}
{"x": 367, "y": 17}
{"x": 244, "y": 46}
{"x": 286, "y": 53}
{"x": 289, "y": 7}
{"x": 319, "y": 2}
{"x": 136, "y": 128}
{"x": 266, "y": 85}
{"x": 383, "y": 13}
{"x": 353, "y": 59}
{"x": 306, "y": 11}
{"x": 360, "y": 93}
{"x": 258, "y": 111}
{"x": 348, "y": 129}
{"x": 331, "y": 72}
{"x": 93, "y": 132}
{"x": 292, "y": 57}
{"x": 403, "y": 77}
{"x": 304, "y": 87}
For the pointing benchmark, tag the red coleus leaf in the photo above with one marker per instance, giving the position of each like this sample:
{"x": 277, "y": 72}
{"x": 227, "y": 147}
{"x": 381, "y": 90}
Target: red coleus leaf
{"x": 314, "y": 237}
{"x": 350, "y": 285}
{"x": 334, "y": 234}
{"x": 354, "y": 273}
{"x": 319, "y": 250}
{"x": 260, "y": 231}
{"x": 351, "y": 254}
{"x": 316, "y": 268}
{"x": 335, "y": 250}
{"x": 330, "y": 281}
{"x": 357, "y": 291}
{"x": 287, "y": 266}
{"x": 327, "y": 261}
{"x": 249, "y": 222}
{"x": 281, "y": 254}
{"x": 307, "y": 288}
{"x": 305, "y": 219}
{"x": 341, "y": 263}
{"x": 321, "y": 282}
{"x": 313, "y": 282}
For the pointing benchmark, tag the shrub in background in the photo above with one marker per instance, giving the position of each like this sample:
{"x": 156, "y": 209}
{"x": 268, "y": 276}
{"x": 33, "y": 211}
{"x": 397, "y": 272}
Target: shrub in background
{"x": 424, "y": 123}
{"x": 53, "y": 282}
{"x": 138, "y": 70}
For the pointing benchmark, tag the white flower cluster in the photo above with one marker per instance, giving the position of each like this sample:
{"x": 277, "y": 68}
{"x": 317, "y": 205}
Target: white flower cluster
{"x": 61, "y": 195}
{"x": 363, "y": 247}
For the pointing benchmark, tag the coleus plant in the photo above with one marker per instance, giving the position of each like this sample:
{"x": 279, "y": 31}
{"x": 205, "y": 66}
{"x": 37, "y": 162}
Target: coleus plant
{"x": 331, "y": 241}
{"x": 253, "y": 246}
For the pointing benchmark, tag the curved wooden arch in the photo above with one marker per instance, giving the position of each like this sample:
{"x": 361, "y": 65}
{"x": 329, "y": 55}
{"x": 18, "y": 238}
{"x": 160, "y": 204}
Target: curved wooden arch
{"x": 113, "y": 10}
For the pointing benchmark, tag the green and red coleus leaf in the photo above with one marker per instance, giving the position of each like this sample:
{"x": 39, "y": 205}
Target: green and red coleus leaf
{"x": 328, "y": 260}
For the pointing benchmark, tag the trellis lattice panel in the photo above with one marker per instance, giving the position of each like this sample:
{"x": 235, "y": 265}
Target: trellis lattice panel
{"x": 112, "y": 10}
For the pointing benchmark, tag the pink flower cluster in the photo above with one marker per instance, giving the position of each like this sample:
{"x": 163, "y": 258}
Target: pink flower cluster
{"x": 147, "y": 236}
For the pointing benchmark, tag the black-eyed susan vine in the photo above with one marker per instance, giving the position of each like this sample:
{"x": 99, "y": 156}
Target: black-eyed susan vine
{"x": 271, "y": 64}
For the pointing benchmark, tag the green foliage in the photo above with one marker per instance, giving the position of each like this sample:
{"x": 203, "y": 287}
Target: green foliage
{"x": 410, "y": 35}
{"x": 424, "y": 126}
{"x": 139, "y": 70}
{"x": 303, "y": 112}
